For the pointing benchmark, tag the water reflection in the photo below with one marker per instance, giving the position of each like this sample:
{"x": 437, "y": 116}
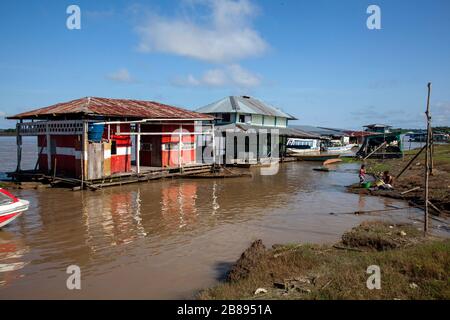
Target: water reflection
{"x": 12, "y": 250}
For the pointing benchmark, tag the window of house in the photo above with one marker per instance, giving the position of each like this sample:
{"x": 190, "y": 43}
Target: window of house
{"x": 244, "y": 118}
{"x": 226, "y": 117}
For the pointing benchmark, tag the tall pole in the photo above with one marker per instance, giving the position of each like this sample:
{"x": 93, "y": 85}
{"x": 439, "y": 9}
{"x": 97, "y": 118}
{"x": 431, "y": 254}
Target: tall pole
{"x": 427, "y": 159}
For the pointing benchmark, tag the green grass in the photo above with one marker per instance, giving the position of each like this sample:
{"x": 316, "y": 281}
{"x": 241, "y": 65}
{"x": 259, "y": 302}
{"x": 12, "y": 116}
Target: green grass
{"x": 350, "y": 160}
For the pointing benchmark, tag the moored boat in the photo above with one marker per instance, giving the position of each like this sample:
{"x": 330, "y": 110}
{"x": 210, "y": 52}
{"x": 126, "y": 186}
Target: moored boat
{"x": 296, "y": 146}
{"x": 317, "y": 157}
{"x": 337, "y": 147}
{"x": 11, "y": 207}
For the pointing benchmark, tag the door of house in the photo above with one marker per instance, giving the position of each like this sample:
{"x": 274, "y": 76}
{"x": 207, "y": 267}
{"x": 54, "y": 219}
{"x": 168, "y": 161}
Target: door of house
{"x": 95, "y": 160}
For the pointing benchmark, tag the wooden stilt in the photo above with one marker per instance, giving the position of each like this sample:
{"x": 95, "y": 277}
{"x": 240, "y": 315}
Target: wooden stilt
{"x": 138, "y": 149}
{"x": 19, "y": 147}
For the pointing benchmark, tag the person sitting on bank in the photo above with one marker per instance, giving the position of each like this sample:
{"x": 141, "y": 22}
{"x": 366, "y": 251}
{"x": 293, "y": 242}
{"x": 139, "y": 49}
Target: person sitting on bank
{"x": 388, "y": 180}
{"x": 362, "y": 174}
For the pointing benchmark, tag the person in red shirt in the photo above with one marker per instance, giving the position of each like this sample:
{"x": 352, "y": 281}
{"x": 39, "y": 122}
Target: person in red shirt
{"x": 362, "y": 174}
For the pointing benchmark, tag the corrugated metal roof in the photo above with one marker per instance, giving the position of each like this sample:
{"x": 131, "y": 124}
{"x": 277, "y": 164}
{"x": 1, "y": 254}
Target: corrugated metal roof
{"x": 289, "y": 132}
{"x": 377, "y": 125}
{"x": 319, "y": 131}
{"x": 244, "y": 104}
{"x": 94, "y": 106}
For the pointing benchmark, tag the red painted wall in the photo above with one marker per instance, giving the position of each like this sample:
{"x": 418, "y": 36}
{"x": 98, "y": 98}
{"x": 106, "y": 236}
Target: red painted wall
{"x": 170, "y": 156}
{"x": 66, "y": 148}
{"x": 121, "y": 161}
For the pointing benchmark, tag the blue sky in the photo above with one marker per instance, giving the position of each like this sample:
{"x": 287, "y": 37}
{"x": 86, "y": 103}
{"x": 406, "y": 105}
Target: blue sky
{"x": 314, "y": 59}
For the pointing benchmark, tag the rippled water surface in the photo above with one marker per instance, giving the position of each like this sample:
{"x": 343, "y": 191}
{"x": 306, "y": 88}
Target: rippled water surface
{"x": 168, "y": 239}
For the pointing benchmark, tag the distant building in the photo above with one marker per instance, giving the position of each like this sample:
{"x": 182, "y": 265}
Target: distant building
{"x": 259, "y": 131}
{"x": 91, "y": 138}
{"x": 378, "y": 128}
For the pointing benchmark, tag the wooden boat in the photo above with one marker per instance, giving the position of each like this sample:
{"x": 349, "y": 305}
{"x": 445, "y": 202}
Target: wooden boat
{"x": 340, "y": 149}
{"x": 317, "y": 157}
{"x": 10, "y": 207}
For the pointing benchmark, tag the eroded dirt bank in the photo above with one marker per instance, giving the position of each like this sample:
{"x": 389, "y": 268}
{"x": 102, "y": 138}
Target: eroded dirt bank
{"x": 412, "y": 267}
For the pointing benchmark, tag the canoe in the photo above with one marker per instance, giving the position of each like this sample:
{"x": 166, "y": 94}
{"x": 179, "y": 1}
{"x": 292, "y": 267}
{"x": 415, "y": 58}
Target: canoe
{"x": 330, "y": 161}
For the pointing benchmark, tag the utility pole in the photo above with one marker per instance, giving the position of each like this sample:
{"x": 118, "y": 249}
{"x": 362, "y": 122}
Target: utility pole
{"x": 427, "y": 158}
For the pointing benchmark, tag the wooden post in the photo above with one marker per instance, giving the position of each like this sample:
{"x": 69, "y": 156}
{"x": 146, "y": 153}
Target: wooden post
{"x": 54, "y": 168}
{"x": 138, "y": 148}
{"x": 49, "y": 151}
{"x": 19, "y": 146}
{"x": 431, "y": 148}
{"x": 427, "y": 159}
{"x": 180, "y": 146}
{"x": 213, "y": 144}
{"x": 83, "y": 150}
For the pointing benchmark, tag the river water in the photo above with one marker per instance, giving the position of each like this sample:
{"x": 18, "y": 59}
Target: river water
{"x": 168, "y": 239}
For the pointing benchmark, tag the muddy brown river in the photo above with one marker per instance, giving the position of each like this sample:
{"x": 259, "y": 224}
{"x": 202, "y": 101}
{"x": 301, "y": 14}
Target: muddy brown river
{"x": 168, "y": 239}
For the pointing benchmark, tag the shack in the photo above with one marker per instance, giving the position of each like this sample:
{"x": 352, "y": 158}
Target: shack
{"x": 381, "y": 146}
{"x": 91, "y": 139}
{"x": 377, "y": 128}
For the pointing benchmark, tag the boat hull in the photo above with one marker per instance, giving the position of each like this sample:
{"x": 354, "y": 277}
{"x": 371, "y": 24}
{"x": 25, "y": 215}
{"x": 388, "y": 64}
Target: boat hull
{"x": 318, "y": 157}
{"x": 343, "y": 149}
{"x": 7, "y": 218}
{"x": 10, "y": 207}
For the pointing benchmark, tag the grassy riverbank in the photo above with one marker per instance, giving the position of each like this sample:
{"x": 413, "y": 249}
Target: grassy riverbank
{"x": 412, "y": 267}
{"x": 414, "y": 177}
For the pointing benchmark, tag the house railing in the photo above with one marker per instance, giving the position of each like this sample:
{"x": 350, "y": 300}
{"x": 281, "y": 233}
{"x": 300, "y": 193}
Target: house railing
{"x": 60, "y": 127}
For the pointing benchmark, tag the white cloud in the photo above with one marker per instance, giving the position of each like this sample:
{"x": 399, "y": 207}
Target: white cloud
{"x": 215, "y": 78}
{"x": 233, "y": 75}
{"x": 121, "y": 75}
{"x": 2, "y": 113}
{"x": 440, "y": 113}
{"x": 242, "y": 77}
{"x": 227, "y": 35}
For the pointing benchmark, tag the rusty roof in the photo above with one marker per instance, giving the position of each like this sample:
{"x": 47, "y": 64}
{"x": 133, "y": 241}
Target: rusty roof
{"x": 94, "y": 106}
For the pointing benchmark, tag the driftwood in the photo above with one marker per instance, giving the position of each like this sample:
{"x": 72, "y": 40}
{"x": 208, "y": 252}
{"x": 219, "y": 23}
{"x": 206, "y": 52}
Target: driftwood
{"x": 347, "y": 248}
{"x": 410, "y": 190}
{"x": 411, "y": 161}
